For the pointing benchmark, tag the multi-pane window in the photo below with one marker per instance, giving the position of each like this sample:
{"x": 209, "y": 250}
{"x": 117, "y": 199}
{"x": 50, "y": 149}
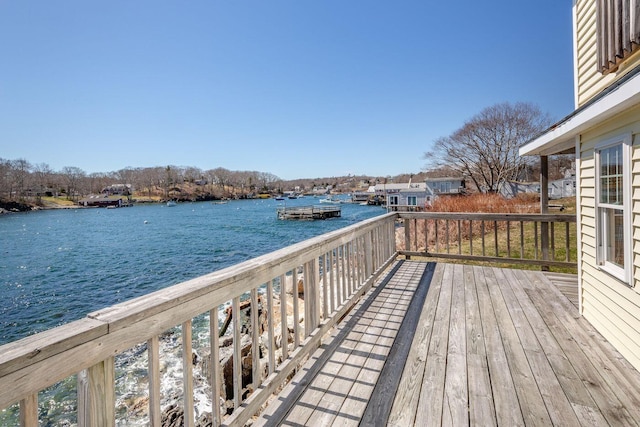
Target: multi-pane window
{"x": 618, "y": 29}
{"x": 412, "y": 200}
{"x": 612, "y": 186}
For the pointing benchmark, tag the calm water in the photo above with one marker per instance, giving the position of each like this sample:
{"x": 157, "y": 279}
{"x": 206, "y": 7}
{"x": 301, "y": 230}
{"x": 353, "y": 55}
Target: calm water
{"x": 57, "y": 266}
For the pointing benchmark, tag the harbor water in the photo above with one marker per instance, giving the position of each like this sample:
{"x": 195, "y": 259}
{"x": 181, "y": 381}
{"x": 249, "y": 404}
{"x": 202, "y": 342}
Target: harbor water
{"x": 58, "y": 265}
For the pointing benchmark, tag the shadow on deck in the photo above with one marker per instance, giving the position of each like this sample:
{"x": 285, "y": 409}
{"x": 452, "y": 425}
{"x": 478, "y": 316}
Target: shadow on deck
{"x": 438, "y": 343}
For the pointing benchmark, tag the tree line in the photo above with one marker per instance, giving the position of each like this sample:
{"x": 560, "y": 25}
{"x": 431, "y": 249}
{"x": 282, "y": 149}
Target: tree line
{"x": 20, "y": 180}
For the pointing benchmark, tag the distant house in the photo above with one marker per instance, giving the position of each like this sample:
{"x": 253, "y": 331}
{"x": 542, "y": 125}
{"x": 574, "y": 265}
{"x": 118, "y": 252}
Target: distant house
{"x": 403, "y": 197}
{"x": 558, "y": 189}
{"x": 604, "y": 134}
{"x": 103, "y": 201}
{"x": 446, "y": 185}
{"x": 114, "y": 189}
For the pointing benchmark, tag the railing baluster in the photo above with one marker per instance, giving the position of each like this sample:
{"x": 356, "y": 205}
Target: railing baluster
{"x": 446, "y": 225}
{"x": 566, "y": 236}
{"x": 426, "y": 235}
{"x": 332, "y": 281}
{"x": 435, "y": 225}
{"x": 470, "y": 237}
{"x": 535, "y": 238}
{"x": 357, "y": 263}
{"x": 339, "y": 293}
{"x": 415, "y": 233}
{"x": 187, "y": 372}
{"x": 459, "y": 237}
{"x": 284, "y": 334}
{"x": 308, "y": 328}
{"x": 363, "y": 260}
{"x": 296, "y": 310}
{"x": 29, "y": 411}
{"x": 325, "y": 288}
{"x": 153, "y": 356}
{"x": 508, "y": 239}
{"x": 237, "y": 353}
{"x": 349, "y": 247}
{"x": 342, "y": 271}
{"x": 270, "y": 327}
{"x": 256, "y": 377}
{"x": 495, "y": 237}
{"x": 482, "y": 232}
{"x": 552, "y": 238}
{"x": 315, "y": 294}
{"x": 215, "y": 365}
{"x": 521, "y": 239}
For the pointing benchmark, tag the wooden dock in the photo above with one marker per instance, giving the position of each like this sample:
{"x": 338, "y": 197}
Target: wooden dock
{"x": 309, "y": 212}
{"x": 445, "y": 344}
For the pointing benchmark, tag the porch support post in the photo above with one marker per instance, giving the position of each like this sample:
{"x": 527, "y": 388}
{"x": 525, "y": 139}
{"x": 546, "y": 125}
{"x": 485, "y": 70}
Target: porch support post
{"x": 544, "y": 208}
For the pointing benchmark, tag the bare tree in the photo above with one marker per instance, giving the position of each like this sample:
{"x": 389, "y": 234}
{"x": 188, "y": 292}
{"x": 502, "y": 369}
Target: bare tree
{"x": 73, "y": 179}
{"x": 485, "y": 148}
{"x": 5, "y": 178}
{"x": 20, "y": 172}
{"x": 41, "y": 177}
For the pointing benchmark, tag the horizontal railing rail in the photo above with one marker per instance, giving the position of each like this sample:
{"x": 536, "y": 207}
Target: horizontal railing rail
{"x": 535, "y": 239}
{"x": 326, "y": 274}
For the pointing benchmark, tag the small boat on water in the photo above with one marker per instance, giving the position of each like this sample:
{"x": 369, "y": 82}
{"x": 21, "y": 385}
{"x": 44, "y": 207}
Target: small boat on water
{"x": 171, "y": 203}
{"x": 331, "y": 199}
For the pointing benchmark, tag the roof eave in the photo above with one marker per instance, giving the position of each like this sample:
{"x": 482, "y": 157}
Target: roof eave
{"x": 561, "y": 137}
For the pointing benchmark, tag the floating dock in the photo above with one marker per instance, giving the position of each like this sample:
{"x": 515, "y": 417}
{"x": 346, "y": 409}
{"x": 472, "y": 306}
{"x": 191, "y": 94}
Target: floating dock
{"x": 309, "y": 212}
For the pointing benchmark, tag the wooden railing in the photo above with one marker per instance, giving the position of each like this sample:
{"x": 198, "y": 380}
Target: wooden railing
{"x": 535, "y": 239}
{"x": 336, "y": 269}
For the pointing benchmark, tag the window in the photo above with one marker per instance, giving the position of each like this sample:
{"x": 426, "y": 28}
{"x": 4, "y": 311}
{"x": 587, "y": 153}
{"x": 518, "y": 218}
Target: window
{"x": 393, "y": 200}
{"x": 618, "y": 29}
{"x": 613, "y": 207}
{"x": 412, "y": 200}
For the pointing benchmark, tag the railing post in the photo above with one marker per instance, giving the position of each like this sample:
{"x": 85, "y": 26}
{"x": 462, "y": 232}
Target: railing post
{"x": 544, "y": 209}
{"x": 368, "y": 255}
{"x": 29, "y": 411}
{"x": 311, "y": 297}
{"x": 96, "y": 395}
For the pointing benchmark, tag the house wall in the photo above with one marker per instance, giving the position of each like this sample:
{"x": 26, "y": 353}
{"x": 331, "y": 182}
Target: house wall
{"x": 589, "y": 80}
{"x": 611, "y": 306}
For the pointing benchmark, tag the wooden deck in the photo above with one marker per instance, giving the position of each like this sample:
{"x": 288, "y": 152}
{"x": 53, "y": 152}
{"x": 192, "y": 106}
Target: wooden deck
{"x": 436, "y": 344}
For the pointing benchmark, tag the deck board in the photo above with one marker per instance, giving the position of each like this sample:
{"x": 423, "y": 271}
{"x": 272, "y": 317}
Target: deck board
{"x": 446, "y": 344}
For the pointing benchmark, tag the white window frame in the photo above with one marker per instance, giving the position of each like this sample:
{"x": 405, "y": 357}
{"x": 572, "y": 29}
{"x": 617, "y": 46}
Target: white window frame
{"x": 413, "y": 199}
{"x": 623, "y": 273}
{"x": 393, "y": 200}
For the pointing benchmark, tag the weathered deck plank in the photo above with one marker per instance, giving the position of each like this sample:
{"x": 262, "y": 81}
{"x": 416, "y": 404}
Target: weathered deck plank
{"x": 489, "y": 347}
{"x": 406, "y": 400}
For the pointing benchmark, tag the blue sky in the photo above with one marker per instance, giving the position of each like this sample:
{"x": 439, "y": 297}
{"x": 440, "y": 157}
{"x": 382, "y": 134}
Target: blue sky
{"x": 297, "y": 88}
